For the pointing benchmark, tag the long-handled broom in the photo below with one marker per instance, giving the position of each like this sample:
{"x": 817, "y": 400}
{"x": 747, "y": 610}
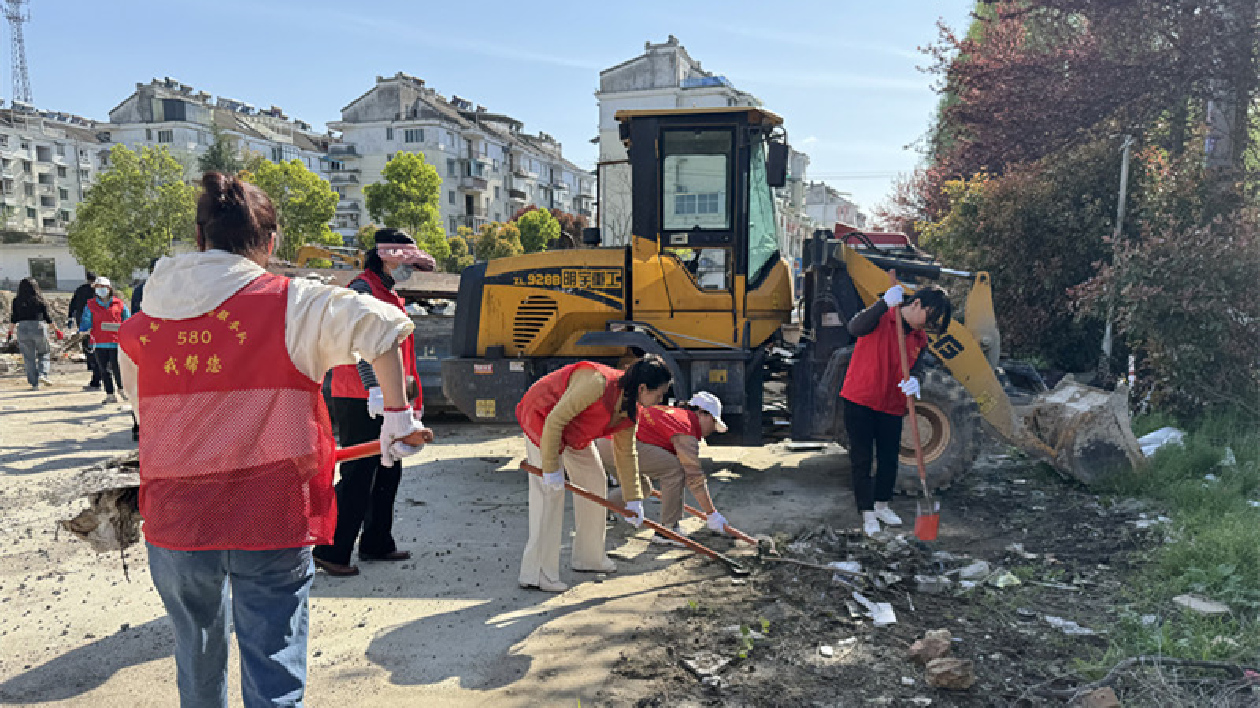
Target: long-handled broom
{"x": 927, "y": 511}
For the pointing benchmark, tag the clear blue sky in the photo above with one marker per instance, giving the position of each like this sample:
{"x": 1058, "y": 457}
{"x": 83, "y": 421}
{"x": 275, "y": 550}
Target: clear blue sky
{"x": 843, "y": 74}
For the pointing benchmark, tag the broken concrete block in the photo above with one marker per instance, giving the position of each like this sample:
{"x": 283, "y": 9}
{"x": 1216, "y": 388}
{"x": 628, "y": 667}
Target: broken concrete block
{"x": 826, "y": 651}
{"x": 934, "y": 645}
{"x": 932, "y": 584}
{"x": 1202, "y": 605}
{"x": 954, "y": 674}
{"x": 1104, "y": 697}
{"x": 976, "y": 571}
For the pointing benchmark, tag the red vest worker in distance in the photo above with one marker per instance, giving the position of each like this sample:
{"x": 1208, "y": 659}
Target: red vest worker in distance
{"x": 560, "y": 415}
{"x": 874, "y": 392}
{"x": 236, "y": 462}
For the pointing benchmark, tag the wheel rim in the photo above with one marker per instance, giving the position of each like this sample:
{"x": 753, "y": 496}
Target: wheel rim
{"x": 935, "y": 432}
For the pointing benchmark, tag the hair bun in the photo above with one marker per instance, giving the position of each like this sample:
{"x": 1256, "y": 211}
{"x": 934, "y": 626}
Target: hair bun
{"x": 224, "y": 190}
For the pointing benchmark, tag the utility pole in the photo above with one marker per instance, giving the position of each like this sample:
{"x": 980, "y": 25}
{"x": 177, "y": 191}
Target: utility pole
{"x": 1104, "y": 359}
{"x": 16, "y": 15}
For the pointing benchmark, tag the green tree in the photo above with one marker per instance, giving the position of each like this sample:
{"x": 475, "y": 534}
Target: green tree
{"x": 221, "y": 157}
{"x": 365, "y": 237}
{"x": 538, "y": 228}
{"x": 498, "y": 241}
{"x": 460, "y": 257}
{"x": 133, "y": 213}
{"x": 408, "y": 200}
{"x": 304, "y": 204}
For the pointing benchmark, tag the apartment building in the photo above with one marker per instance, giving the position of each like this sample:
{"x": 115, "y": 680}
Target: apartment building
{"x": 490, "y": 167}
{"x": 827, "y": 207}
{"x": 48, "y": 159}
{"x": 165, "y": 112}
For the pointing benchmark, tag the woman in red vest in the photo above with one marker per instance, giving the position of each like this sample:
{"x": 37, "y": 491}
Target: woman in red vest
{"x": 874, "y": 393}
{"x": 236, "y": 463}
{"x": 668, "y": 447}
{"x": 366, "y": 490}
{"x": 561, "y": 414}
{"x": 102, "y": 317}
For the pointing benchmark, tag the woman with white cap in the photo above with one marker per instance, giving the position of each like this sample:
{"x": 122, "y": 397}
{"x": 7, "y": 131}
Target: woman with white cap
{"x": 366, "y": 491}
{"x": 102, "y": 318}
{"x": 668, "y": 447}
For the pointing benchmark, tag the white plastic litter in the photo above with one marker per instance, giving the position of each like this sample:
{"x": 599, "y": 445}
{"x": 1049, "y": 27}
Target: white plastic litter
{"x": 1164, "y": 436}
{"x": 1069, "y": 627}
{"x": 880, "y": 612}
{"x": 1228, "y": 459}
{"x": 851, "y": 566}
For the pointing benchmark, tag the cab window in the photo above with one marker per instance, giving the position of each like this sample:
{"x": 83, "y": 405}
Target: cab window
{"x": 696, "y": 179}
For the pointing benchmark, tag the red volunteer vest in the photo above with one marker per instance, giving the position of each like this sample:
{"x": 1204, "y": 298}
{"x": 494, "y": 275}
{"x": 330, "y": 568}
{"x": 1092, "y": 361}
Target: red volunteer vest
{"x": 105, "y": 320}
{"x": 875, "y": 368}
{"x": 594, "y": 422}
{"x": 237, "y": 451}
{"x": 345, "y": 379}
{"x": 659, "y": 424}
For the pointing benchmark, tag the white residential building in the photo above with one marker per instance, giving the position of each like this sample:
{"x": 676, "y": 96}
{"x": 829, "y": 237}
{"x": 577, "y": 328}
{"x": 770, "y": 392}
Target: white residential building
{"x": 828, "y": 207}
{"x": 48, "y": 160}
{"x": 664, "y": 76}
{"x": 167, "y": 112}
{"x": 490, "y": 168}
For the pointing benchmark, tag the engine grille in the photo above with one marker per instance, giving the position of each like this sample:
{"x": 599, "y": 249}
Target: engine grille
{"x": 532, "y": 315}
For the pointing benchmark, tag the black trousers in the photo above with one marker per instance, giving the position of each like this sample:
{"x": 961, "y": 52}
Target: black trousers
{"x": 872, "y": 435}
{"x": 90, "y": 358}
{"x": 107, "y": 368}
{"x": 366, "y": 491}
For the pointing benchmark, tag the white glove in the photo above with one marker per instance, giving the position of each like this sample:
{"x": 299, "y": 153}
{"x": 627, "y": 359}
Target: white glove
{"x": 553, "y": 480}
{"x": 716, "y": 522}
{"x": 375, "y": 402}
{"x": 910, "y": 387}
{"x": 398, "y": 425}
{"x": 893, "y": 296}
{"x": 636, "y": 510}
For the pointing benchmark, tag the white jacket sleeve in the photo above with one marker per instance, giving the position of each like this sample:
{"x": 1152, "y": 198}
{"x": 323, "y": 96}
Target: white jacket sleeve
{"x": 328, "y": 326}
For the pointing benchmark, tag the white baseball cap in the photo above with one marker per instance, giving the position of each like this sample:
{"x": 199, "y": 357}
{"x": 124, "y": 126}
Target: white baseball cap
{"x": 102, "y": 280}
{"x": 710, "y": 404}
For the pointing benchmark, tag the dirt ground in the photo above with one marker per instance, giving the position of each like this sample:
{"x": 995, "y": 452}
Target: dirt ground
{"x": 452, "y": 628}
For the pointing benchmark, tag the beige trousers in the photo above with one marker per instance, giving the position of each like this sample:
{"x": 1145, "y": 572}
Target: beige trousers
{"x": 660, "y": 467}
{"x": 546, "y": 516}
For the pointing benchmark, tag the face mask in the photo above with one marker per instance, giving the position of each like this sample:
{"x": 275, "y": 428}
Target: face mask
{"x": 401, "y": 273}
{"x": 102, "y": 293}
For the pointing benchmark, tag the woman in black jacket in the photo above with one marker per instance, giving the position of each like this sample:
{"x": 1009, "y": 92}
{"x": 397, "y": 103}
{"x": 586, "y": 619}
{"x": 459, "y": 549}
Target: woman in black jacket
{"x": 30, "y": 316}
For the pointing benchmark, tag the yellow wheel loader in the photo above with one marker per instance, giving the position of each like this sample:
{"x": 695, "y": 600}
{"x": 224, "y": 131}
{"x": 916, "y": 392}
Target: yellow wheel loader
{"x": 703, "y": 285}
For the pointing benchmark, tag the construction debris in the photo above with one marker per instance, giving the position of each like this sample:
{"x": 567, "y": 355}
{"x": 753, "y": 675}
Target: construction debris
{"x": 934, "y": 645}
{"x": 954, "y": 674}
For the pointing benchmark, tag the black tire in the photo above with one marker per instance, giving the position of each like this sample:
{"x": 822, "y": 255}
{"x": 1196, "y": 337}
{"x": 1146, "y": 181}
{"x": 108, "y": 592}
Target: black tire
{"x": 950, "y": 431}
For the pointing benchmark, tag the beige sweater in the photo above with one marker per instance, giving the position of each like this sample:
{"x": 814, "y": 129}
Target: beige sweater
{"x": 586, "y": 386}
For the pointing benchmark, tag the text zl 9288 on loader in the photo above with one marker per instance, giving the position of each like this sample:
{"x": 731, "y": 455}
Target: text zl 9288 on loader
{"x": 703, "y": 284}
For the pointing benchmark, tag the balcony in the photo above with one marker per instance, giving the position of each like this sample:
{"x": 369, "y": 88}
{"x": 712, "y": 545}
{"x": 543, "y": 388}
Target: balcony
{"x": 587, "y": 198}
{"x": 473, "y": 222}
{"x": 523, "y": 172}
{"x": 473, "y": 184}
{"x": 341, "y": 177}
{"x": 516, "y": 195}
{"x": 342, "y": 152}
{"x": 346, "y": 206}
{"x": 44, "y": 188}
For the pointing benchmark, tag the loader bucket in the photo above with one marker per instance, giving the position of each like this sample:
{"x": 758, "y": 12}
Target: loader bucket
{"x": 1082, "y": 431}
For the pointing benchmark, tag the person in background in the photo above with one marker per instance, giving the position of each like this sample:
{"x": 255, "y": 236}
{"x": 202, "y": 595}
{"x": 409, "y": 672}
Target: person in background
{"x": 102, "y": 317}
{"x": 30, "y": 317}
{"x": 874, "y": 393}
{"x": 78, "y": 301}
{"x": 367, "y": 488}
{"x": 561, "y": 415}
{"x": 668, "y": 447}
{"x": 237, "y": 458}
{"x": 137, "y": 295}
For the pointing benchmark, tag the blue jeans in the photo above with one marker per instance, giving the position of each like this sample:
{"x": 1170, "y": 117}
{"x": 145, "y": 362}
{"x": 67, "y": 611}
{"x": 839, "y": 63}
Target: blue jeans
{"x": 268, "y": 593}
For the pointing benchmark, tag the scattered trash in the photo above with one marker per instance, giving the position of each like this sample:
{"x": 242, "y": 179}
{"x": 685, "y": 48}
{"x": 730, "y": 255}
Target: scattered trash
{"x": 1025, "y": 613}
{"x": 1160, "y": 438}
{"x": 1148, "y": 620}
{"x": 826, "y": 651}
{"x": 1004, "y": 579}
{"x": 907, "y": 681}
{"x": 1145, "y": 523}
{"x": 921, "y": 701}
{"x": 956, "y": 674}
{"x": 801, "y": 547}
{"x": 1228, "y": 459}
{"x": 934, "y": 645}
{"x": 1210, "y": 477}
{"x": 976, "y": 571}
{"x": 1202, "y": 605}
{"x": 967, "y": 584}
{"x": 933, "y": 584}
{"x": 1104, "y": 697}
{"x": 706, "y": 664}
{"x": 880, "y": 612}
{"x": 793, "y": 446}
{"x": 1018, "y": 549}
{"x": 1254, "y": 503}
{"x": 850, "y": 566}
{"x": 1069, "y": 627}
{"x": 744, "y": 631}
{"x": 943, "y": 557}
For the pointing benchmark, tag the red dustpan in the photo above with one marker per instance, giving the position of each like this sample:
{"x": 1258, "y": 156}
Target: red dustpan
{"x": 927, "y": 512}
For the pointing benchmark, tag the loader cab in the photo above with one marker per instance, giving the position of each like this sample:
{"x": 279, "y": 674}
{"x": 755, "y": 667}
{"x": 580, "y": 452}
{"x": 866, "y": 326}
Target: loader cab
{"x": 705, "y": 257}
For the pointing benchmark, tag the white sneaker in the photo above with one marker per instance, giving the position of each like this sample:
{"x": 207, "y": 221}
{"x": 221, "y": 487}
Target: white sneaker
{"x": 886, "y": 515}
{"x": 607, "y": 566}
{"x": 546, "y": 585}
{"x": 110, "y": 398}
{"x": 122, "y": 393}
{"x": 43, "y": 381}
{"x": 663, "y": 541}
{"x": 870, "y": 523}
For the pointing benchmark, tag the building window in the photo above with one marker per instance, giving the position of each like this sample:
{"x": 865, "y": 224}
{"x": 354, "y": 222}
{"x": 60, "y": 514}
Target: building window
{"x": 61, "y": 171}
{"x": 4, "y": 141}
{"x": 413, "y": 135}
{"x": 26, "y": 145}
{"x": 83, "y": 174}
{"x": 389, "y": 157}
{"x": 30, "y": 212}
{"x": 334, "y": 166}
{"x": 29, "y": 189}
{"x": 44, "y": 271}
{"x": 166, "y": 136}
{"x": 64, "y": 194}
{"x": 450, "y": 196}
{"x": 60, "y": 150}
{"x": 450, "y": 168}
{"x": 389, "y": 133}
{"x": 148, "y": 134}
{"x": 496, "y": 192}
{"x": 64, "y": 216}
{"x": 277, "y": 154}
{"x": 496, "y": 216}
